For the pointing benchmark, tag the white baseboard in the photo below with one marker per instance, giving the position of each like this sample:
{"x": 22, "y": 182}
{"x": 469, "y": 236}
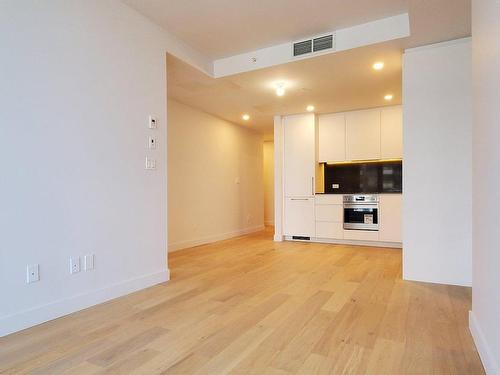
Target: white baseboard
{"x": 489, "y": 363}
{"x": 395, "y": 245}
{"x": 175, "y": 246}
{"x": 56, "y": 309}
{"x": 433, "y": 280}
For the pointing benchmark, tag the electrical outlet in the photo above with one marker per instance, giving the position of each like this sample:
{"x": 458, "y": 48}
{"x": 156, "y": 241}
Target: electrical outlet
{"x": 88, "y": 261}
{"x": 32, "y": 273}
{"x": 74, "y": 265}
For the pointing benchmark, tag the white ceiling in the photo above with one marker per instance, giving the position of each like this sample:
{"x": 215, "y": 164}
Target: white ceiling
{"x": 221, "y": 28}
{"x": 332, "y": 83}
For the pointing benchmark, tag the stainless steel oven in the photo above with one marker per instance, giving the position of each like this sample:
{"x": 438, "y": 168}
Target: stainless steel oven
{"x": 361, "y": 212}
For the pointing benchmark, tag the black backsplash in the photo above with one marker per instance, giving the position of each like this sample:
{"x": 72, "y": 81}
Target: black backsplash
{"x": 378, "y": 177}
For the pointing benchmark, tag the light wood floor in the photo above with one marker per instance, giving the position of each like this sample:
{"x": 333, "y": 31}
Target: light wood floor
{"x": 252, "y": 306}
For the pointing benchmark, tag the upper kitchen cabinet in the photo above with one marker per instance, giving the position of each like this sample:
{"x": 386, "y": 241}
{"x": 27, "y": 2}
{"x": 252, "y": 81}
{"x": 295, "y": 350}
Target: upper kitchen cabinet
{"x": 391, "y": 137}
{"x": 331, "y": 137}
{"x": 299, "y": 155}
{"x": 363, "y": 135}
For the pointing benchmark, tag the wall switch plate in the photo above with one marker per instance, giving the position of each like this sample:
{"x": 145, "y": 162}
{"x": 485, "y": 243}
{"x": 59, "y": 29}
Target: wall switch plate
{"x": 32, "y": 273}
{"x": 150, "y": 163}
{"x": 153, "y": 122}
{"x": 74, "y": 265}
{"x": 88, "y": 262}
{"x": 152, "y": 143}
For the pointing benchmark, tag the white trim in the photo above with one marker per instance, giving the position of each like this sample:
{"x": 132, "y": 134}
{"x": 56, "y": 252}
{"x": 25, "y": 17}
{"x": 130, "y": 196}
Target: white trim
{"x": 395, "y": 245}
{"x": 175, "y": 246}
{"x": 489, "y": 363}
{"x": 438, "y": 45}
{"x": 31, "y": 317}
{"x": 407, "y": 277}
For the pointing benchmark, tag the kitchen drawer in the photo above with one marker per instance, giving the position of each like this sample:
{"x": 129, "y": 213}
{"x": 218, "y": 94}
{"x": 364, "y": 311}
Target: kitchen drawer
{"x": 328, "y": 198}
{"x": 361, "y": 235}
{"x": 329, "y": 212}
{"x": 329, "y": 230}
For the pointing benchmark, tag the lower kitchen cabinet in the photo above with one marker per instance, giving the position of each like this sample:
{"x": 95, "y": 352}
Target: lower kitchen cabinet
{"x": 361, "y": 235}
{"x": 390, "y": 217}
{"x": 299, "y": 217}
{"x": 329, "y": 230}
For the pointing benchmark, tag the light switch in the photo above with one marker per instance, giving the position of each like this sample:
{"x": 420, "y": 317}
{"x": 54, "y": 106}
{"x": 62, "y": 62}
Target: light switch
{"x": 150, "y": 163}
{"x": 89, "y": 262}
{"x": 32, "y": 273}
{"x": 152, "y": 143}
{"x": 153, "y": 122}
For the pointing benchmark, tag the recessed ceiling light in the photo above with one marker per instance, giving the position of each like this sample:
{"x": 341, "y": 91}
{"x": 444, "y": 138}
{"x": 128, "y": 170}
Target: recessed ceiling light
{"x": 379, "y": 65}
{"x": 245, "y": 117}
{"x": 388, "y": 97}
{"x": 310, "y": 108}
{"x": 280, "y": 89}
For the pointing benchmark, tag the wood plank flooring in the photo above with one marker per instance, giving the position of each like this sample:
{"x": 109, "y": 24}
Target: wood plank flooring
{"x": 253, "y": 306}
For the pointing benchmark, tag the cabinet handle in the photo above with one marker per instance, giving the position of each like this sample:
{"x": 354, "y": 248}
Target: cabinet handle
{"x": 299, "y": 199}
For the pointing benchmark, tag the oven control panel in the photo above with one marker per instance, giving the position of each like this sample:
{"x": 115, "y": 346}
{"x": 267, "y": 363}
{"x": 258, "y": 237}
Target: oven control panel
{"x": 361, "y": 198}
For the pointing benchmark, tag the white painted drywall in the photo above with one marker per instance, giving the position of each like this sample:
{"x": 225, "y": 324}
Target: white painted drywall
{"x": 485, "y": 313}
{"x": 269, "y": 183}
{"x": 369, "y": 33}
{"x": 437, "y": 182}
{"x": 78, "y": 80}
{"x": 215, "y": 188}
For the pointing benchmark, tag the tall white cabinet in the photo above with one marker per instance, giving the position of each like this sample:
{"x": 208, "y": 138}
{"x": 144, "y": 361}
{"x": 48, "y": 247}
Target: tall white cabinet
{"x": 299, "y": 158}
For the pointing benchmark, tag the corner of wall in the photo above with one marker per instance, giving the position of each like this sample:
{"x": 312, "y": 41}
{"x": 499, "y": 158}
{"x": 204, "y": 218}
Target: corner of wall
{"x": 485, "y": 353}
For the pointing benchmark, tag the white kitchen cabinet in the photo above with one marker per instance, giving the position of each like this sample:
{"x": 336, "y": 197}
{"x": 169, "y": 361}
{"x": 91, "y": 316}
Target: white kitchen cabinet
{"x": 363, "y": 135}
{"x": 390, "y": 217}
{"x": 299, "y": 155}
{"x": 361, "y": 235}
{"x": 329, "y": 199}
{"x": 331, "y": 145}
{"x": 391, "y": 133}
{"x": 329, "y": 212}
{"x": 299, "y": 217}
{"x": 329, "y": 230}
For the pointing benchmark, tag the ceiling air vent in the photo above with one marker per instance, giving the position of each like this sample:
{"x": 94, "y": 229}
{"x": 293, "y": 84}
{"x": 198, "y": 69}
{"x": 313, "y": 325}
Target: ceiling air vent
{"x": 313, "y": 45}
{"x": 322, "y": 43}
{"x": 302, "y": 48}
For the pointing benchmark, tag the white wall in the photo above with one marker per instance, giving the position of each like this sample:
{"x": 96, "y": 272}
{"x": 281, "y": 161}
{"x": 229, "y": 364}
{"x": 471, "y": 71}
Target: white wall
{"x": 215, "y": 188}
{"x": 269, "y": 183}
{"x": 486, "y": 205}
{"x": 437, "y": 121}
{"x": 78, "y": 80}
